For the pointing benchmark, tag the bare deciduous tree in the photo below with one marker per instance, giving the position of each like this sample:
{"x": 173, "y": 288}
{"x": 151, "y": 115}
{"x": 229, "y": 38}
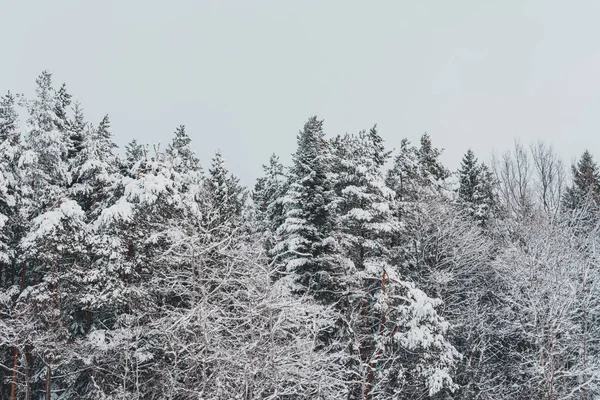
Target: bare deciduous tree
{"x": 549, "y": 177}
{"x": 513, "y": 173}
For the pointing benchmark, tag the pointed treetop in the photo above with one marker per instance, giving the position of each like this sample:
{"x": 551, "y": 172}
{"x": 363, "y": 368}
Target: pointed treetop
{"x": 181, "y": 153}
{"x": 62, "y": 101}
{"x": 380, "y": 155}
{"x": 134, "y": 152}
{"x": 429, "y": 159}
{"x": 8, "y": 119}
{"x": 586, "y": 176}
{"x": 103, "y": 130}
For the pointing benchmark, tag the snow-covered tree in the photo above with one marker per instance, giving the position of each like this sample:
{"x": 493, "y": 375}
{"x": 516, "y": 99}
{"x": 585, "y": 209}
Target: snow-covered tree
{"x": 389, "y": 355}
{"x": 46, "y": 173}
{"x": 54, "y": 249}
{"x": 223, "y": 201}
{"x": 476, "y": 188}
{"x": 268, "y": 196}
{"x": 306, "y": 244}
{"x": 77, "y": 126}
{"x": 95, "y": 170}
{"x": 10, "y": 151}
{"x": 586, "y": 183}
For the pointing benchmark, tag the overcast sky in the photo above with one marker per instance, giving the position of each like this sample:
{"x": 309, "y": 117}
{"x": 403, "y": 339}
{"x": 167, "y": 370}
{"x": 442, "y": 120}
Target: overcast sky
{"x": 243, "y": 76}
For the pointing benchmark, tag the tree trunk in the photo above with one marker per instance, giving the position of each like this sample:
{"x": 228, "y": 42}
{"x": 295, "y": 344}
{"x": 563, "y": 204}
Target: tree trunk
{"x": 23, "y": 273}
{"x": 89, "y": 318}
{"x": 48, "y": 386}
{"x": 12, "y": 274}
{"x": 13, "y": 388}
{"x": 373, "y": 363}
{"x": 28, "y": 363}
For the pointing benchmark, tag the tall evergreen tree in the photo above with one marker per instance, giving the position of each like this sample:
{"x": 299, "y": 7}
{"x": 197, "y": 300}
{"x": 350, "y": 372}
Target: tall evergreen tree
{"x": 135, "y": 156}
{"x": 180, "y": 152}
{"x": 306, "y": 243}
{"x": 55, "y": 249}
{"x": 10, "y": 151}
{"x": 586, "y": 184}
{"x": 476, "y": 192}
{"x": 224, "y": 199}
{"x": 430, "y": 165}
{"x": 77, "y": 126}
{"x": 186, "y": 166}
{"x": 95, "y": 169}
{"x": 47, "y": 173}
{"x": 268, "y": 201}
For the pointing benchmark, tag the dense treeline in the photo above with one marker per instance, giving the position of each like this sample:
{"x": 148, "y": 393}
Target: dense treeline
{"x": 356, "y": 272}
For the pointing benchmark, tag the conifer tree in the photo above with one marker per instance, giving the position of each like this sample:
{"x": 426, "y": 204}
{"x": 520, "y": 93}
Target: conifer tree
{"x": 77, "y": 126}
{"x": 586, "y": 184}
{"x": 365, "y": 205}
{"x": 403, "y": 176}
{"x": 431, "y": 167}
{"x": 268, "y": 201}
{"x": 475, "y": 192}
{"x": 187, "y": 169}
{"x": 180, "y": 152}
{"x": 10, "y": 151}
{"x": 365, "y": 227}
{"x": 306, "y": 245}
{"x": 55, "y": 249}
{"x": 135, "y": 153}
{"x": 47, "y": 173}
{"x": 224, "y": 199}
{"x": 95, "y": 168}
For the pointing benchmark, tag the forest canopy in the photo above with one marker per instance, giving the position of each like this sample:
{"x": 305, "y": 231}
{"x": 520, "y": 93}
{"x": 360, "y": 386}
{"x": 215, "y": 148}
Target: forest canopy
{"x": 354, "y": 272}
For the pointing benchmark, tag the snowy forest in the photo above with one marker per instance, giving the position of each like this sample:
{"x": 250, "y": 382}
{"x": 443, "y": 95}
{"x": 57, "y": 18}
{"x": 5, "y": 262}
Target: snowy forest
{"x": 362, "y": 270}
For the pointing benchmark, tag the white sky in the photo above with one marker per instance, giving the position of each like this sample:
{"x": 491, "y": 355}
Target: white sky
{"x": 245, "y": 75}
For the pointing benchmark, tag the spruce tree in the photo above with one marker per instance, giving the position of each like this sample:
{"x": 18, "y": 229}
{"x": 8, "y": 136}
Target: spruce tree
{"x": 135, "y": 154}
{"x": 586, "y": 184}
{"x": 306, "y": 244}
{"x": 181, "y": 154}
{"x": 403, "y": 177}
{"x": 267, "y": 197}
{"x": 476, "y": 188}
{"x": 431, "y": 167}
{"x": 95, "y": 168}
{"x": 46, "y": 171}
{"x": 186, "y": 167}
{"x": 224, "y": 199}
{"x": 11, "y": 226}
{"x": 78, "y": 126}
{"x": 365, "y": 223}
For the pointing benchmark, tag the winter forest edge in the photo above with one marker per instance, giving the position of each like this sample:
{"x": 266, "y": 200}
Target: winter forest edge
{"x": 355, "y": 272}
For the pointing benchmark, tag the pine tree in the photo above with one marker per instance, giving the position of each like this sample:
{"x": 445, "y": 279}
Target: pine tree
{"x": 586, "y": 184}
{"x": 268, "y": 201}
{"x": 364, "y": 204}
{"x": 47, "y": 173}
{"x": 430, "y": 166}
{"x": 187, "y": 169}
{"x": 51, "y": 243}
{"x": 363, "y": 228}
{"x": 95, "y": 168}
{"x": 306, "y": 245}
{"x": 475, "y": 192}
{"x": 224, "y": 199}
{"x": 180, "y": 152}
{"x": 402, "y": 178}
{"x": 135, "y": 154}
{"x": 54, "y": 249}
{"x": 10, "y": 151}
{"x": 78, "y": 126}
